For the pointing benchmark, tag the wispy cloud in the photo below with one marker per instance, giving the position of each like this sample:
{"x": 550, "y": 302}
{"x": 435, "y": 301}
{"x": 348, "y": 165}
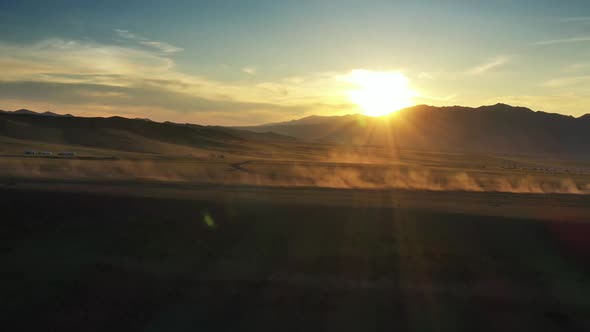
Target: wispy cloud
{"x": 426, "y": 76}
{"x": 489, "y": 65}
{"x": 158, "y": 45}
{"x": 85, "y": 75}
{"x": 250, "y": 70}
{"x": 164, "y": 47}
{"x": 576, "y": 67}
{"x": 567, "y": 81}
{"x": 580, "y": 39}
{"x": 125, "y": 34}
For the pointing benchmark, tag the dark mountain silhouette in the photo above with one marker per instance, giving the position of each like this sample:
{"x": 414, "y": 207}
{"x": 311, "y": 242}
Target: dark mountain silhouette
{"x": 135, "y": 135}
{"x": 316, "y": 119}
{"x": 54, "y": 114}
{"x": 24, "y": 111}
{"x": 29, "y": 112}
{"x": 497, "y": 128}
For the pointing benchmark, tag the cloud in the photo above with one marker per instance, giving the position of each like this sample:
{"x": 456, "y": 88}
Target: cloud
{"x": 65, "y": 60}
{"x": 85, "y": 75}
{"x": 426, "y": 76}
{"x": 491, "y": 64}
{"x": 567, "y": 81}
{"x": 576, "y": 67}
{"x": 580, "y": 39}
{"x": 250, "y": 70}
{"x": 80, "y": 93}
{"x": 126, "y": 34}
{"x": 158, "y": 45}
{"x": 164, "y": 47}
{"x": 148, "y": 100}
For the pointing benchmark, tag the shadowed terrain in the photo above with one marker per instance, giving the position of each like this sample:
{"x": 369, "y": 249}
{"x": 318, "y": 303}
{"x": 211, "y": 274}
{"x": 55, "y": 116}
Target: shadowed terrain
{"x": 498, "y": 128}
{"x": 121, "y": 134}
{"x": 166, "y": 227}
{"x": 225, "y": 261}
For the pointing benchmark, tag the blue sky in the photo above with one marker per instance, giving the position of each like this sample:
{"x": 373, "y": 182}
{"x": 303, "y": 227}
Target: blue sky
{"x": 243, "y": 62}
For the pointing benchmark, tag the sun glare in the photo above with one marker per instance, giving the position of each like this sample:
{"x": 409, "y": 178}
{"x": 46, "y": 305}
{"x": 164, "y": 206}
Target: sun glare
{"x": 379, "y": 93}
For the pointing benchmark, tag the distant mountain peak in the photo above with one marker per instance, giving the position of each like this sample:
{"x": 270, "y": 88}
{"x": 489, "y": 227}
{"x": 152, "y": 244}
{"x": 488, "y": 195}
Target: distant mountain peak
{"x": 314, "y": 119}
{"x": 504, "y": 107}
{"x": 24, "y": 111}
{"x": 29, "y": 112}
{"x": 498, "y": 128}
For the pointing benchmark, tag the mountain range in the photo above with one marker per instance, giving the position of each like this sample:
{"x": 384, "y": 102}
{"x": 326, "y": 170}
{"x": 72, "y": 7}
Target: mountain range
{"x": 497, "y": 128}
{"x": 122, "y": 134}
{"x": 29, "y": 112}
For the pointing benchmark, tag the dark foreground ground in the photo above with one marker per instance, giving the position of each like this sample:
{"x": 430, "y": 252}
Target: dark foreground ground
{"x": 106, "y": 262}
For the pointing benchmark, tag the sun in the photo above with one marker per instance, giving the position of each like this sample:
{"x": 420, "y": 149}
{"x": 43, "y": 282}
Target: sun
{"x": 379, "y": 93}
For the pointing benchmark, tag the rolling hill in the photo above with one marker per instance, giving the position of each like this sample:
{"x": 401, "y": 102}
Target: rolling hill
{"x": 498, "y": 128}
{"x": 121, "y": 134}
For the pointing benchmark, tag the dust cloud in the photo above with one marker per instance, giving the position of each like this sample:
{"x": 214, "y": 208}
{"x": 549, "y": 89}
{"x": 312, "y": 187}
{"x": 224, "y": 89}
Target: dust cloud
{"x": 292, "y": 174}
{"x": 426, "y": 179}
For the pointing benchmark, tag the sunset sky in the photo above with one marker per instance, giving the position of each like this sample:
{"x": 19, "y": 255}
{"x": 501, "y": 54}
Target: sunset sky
{"x": 251, "y": 62}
